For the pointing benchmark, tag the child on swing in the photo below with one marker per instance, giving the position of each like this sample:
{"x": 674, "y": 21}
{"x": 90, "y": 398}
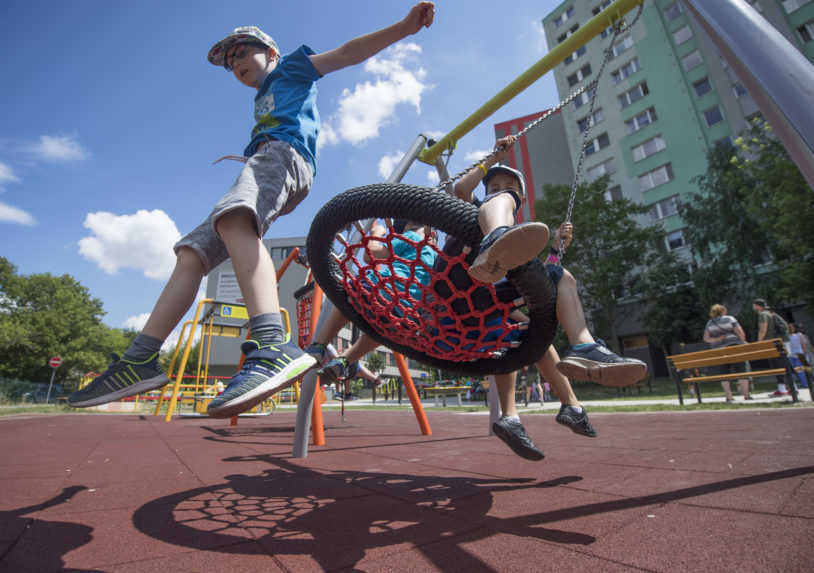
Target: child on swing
{"x": 280, "y": 166}
{"x": 507, "y": 245}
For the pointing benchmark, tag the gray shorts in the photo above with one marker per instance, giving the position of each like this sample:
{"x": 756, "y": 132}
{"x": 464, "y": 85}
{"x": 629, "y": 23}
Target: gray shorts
{"x": 273, "y": 181}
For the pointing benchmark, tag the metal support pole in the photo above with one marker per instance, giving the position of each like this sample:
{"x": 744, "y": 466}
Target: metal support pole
{"x": 775, "y": 73}
{"x": 494, "y": 404}
{"x": 50, "y": 384}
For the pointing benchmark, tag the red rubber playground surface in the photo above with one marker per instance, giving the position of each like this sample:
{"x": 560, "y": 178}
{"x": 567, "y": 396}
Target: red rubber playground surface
{"x": 695, "y": 491}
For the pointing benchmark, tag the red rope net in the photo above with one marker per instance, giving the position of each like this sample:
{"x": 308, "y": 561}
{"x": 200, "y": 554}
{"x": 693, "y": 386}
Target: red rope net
{"x": 427, "y": 302}
{"x": 304, "y": 306}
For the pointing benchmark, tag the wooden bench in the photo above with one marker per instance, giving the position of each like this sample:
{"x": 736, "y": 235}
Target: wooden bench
{"x": 444, "y": 391}
{"x": 684, "y": 368}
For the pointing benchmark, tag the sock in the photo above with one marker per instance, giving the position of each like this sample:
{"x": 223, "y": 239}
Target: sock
{"x": 584, "y": 346}
{"x": 515, "y": 418}
{"x": 781, "y": 388}
{"x": 267, "y": 328}
{"x": 577, "y": 409}
{"x": 142, "y": 348}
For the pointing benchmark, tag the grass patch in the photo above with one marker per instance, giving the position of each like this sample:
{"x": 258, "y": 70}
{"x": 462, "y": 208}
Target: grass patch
{"x": 14, "y": 409}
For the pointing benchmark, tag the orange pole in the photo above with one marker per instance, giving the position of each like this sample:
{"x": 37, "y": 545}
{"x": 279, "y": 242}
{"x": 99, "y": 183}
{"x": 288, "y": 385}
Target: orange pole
{"x": 291, "y": 256}
{"x": 420, "y": 415}
{"x": 317, "y": 429}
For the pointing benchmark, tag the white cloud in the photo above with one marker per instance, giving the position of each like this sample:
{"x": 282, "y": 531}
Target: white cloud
{"x": 7, "y": 174}
{"x": 136, "y": 322}
{"x": 59, "y": 148}
{"x": 477, "y": 155}
{"x": 432, "y": 176}
{"x": 141, "y": 241}
{"x": 388, "y": 162}
{"x": 371, "y": 105}
{"x": 9, "y": 214}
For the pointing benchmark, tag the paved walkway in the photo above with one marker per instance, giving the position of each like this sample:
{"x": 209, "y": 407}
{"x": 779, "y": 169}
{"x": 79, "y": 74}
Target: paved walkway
{"x": 690, "y": 491}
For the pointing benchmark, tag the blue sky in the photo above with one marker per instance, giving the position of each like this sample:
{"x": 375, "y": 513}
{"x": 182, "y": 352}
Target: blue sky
{"x": 111, "y": 118}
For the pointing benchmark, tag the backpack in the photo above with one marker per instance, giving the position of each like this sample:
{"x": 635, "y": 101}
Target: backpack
{"x": 781, "y": 326}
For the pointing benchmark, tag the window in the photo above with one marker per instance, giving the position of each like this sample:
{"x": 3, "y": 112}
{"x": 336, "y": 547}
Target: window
{"x": 664, "y": 208}
{"x": 648, "y": 148}
{"x": 580, "y": 51}
{"x": 691, "y": 60}
{"x": 713, "y": 115}
{"x": 806, "y": 31}
{"x": 626, "y": 70}
{"x": 584, "y": 98}
{"x": 673, "y": 11}
{"x": 622, "y": 46}
{"x": 682, "y": 35}
{"x": 597, "y": 9}
{"x": 596, "y": 144}
{"x": 607, "y": 167}
{"x": 633, "y": 95}
{"x": 674, "y": 240}
{"x": 614, "y": 193}
{"x": 606, "y": 32}
{"x": 587, "y": 122}
{"x": 645, "y": 118}
{"x": 562, "y": 18}
{"x": 579, "y": 75}
{"x": 656, "y": 177}
{"x": 702, "y": 87}
{"x": 562, "y": 38}
{"x": 740, "y": 91}
{"x": 791, "y": 5}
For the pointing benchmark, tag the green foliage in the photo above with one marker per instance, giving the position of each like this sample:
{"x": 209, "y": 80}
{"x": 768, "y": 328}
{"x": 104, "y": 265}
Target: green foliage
{"x": 375, "y": 362}
{"x": 41, "y": 316}
{"x": 750, "y": 223}
{"x": 191, "y": 367}
{"x": 12, "y": 390}
{"x": 608, "y": 248}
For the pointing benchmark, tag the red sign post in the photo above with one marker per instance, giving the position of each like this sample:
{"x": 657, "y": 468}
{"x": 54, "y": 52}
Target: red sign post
{"x": 54, "y": 363}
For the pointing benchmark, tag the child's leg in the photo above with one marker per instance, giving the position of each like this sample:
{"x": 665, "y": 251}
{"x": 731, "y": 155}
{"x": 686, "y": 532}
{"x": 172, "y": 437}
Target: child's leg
{"x": 505, "y": 245}
{"x": 508, "y": 428}
{"x": 571, "y": 414}
{"x": 727, "y": 390}
{"x": 570, "y": 314}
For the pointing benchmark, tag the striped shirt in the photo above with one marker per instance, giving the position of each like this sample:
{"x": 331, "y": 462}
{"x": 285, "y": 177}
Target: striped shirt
{"x": 723, "y": 326}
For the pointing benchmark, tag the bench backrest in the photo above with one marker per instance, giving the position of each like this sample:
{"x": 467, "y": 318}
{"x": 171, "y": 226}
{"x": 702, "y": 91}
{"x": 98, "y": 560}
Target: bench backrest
{"x": 772, "y": 348}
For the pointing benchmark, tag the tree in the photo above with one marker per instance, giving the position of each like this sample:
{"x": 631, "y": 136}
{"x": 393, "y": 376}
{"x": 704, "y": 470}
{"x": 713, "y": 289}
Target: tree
{"x": 43, "y": 316}
{"x": 609, "y": 246}
{"x": 375, "y": 362}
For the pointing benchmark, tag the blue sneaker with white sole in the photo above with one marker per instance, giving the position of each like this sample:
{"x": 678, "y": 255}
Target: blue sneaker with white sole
{"x": 122, "y": 378}
{"x": 595, "y": 362}
{"x": 266, "y": 370}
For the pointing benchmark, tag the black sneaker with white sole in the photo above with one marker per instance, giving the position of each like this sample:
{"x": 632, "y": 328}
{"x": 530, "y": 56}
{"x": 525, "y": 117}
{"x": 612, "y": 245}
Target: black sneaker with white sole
{"x": 514, "y": 434}
{"x": 122, "y": 378}
{"x": 506, "y": 248}
{"x": 597, "y": 363}
{"x": 576, "y": 421}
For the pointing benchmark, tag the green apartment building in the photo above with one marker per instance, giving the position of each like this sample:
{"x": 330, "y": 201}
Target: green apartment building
{"x": 665, "y": 98}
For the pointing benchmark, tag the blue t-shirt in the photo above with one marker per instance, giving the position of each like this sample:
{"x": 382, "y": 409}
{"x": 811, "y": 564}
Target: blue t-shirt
{"x": 285, "y": 106}
{"x": 407, "y": 251}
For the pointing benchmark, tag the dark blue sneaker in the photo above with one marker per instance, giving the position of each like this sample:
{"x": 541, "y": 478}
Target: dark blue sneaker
{"x": 506, "y": 248}
{"x": 318, "y": 350}
{"x": 343, "y": 396}
{"x": 576, "y": 421}
{"x": 597, "y": 363}
{"x": 338, "y": 370}
{"x": 121, "y": 379}
{"x": 514, "y": 434}
{"x": 266, "y": 370}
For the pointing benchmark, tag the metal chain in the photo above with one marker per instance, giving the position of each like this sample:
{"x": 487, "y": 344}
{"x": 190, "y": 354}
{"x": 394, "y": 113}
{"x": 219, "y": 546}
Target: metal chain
{"x": 618, "y": 28}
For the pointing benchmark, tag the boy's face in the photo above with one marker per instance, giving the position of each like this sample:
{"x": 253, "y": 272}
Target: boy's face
{"x": 251, "y": 63}
{"x": 502, "y": 182}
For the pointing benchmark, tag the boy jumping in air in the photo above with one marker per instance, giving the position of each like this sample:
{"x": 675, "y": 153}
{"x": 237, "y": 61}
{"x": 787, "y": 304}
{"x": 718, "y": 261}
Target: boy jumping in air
{"x": 280, "y": 166}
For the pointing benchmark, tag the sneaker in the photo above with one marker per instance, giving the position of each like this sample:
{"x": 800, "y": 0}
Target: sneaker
{"x": 343, "y": 396}
{"x": 266, "y": 370}
{"x": 576, "y": 421}
{"x": 506, "y": 248}
{"x": 318, "y": 350}
{"x": 597, "y": 363}
{"x": 337, "y": 370}
{"x": 777, "y": 394}
{"x": 514, "y": 434}
{"x": 122, "y": 378}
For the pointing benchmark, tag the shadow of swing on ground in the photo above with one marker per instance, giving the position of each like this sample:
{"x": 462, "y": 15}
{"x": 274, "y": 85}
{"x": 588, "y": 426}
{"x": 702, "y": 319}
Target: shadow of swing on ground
{"x": 336, "y": 517}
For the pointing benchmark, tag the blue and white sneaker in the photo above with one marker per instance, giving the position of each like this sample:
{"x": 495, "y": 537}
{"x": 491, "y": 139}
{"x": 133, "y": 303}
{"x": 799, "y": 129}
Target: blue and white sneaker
{"x": 506, "y": 248}
{"x": 597, "y": 363}
{"x": 266, "y": 370}
{"x": 122, "y": 378}
{"x": 318, "y": 350}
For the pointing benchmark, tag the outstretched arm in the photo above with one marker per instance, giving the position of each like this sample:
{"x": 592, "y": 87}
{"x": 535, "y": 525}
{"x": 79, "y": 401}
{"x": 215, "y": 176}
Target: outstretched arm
{"x": 359, "y": 49}
{"x": 466, "y": 185}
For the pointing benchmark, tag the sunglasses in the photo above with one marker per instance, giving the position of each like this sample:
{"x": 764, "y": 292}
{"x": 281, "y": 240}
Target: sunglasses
{"x": 238, "y": 53}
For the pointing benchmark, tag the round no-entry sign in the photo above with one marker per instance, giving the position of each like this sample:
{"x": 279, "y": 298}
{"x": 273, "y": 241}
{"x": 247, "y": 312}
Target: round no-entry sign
{"x": 55, "y": 362}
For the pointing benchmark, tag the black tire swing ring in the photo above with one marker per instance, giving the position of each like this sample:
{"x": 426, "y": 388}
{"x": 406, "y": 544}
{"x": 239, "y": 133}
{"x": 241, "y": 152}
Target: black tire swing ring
{"x": 453, "y": 217}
